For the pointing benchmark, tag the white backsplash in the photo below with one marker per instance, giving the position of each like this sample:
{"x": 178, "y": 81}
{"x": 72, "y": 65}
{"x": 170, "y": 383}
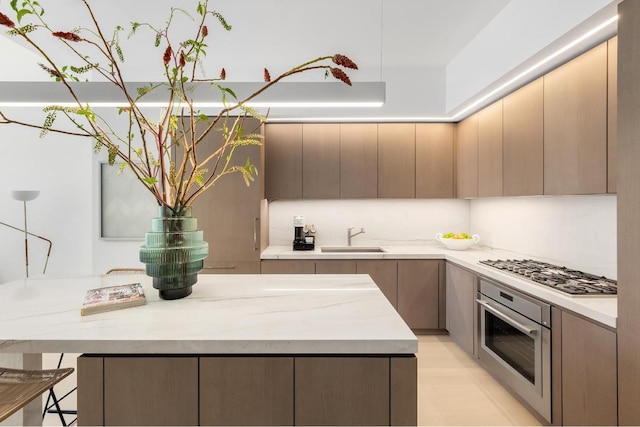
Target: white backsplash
{"x": 405, "y": 221}
{"x": 575, "y": 231}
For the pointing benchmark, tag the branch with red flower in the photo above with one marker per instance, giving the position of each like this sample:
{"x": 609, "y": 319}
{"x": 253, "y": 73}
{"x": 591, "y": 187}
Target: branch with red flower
{"x": 146, "y": 147}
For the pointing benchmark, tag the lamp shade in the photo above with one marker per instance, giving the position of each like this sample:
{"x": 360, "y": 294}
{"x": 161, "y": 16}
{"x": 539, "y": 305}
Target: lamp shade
{"x": 25, "y": 195}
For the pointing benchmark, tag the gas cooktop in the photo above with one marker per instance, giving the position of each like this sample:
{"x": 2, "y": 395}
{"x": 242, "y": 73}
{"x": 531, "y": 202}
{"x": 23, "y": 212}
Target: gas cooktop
{"x": 572, "y": 282}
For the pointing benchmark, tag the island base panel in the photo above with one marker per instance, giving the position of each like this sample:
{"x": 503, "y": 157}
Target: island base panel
{"x": 247, "y": 389}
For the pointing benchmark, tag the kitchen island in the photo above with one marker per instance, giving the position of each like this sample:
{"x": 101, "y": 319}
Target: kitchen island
{"x": 242, "y": 349}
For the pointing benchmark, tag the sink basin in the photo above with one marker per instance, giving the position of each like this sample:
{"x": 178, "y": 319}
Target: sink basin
{"x": 352, "y": 249}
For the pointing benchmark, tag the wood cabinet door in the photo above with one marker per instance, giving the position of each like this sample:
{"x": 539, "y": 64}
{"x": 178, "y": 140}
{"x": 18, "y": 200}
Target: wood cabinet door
{"x": 612, "y": 115}
{"x": 434, "y": 160}
{"x": 229, "y": 213}
{"x": 283, "y": 161}
{"x": 320, "y": 161}
{"x": 467, "y": 157}
{"x": 358, "y": 160}
{"x": 248, "y": 390}
{"x": 336, "y": 266}
{"x": 385, "y": 274}
{"x": 418, "y": 289}
{"x": 461, "y": 296}
{"x": 288, "y": 266}
{"x": 490, "y": 150}
{"x": 575, "y": 125}
{"x": 396, "y": 160}
{"x": 231, "y": 267}
{"x": 523, "y": 141}
{"x": 589, "y": 373}
{"x": 150, "y": 391}
{"x": 342, "y": 391}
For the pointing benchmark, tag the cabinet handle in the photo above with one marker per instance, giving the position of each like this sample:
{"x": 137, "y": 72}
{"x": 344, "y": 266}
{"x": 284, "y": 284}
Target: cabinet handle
{"x": 220, "y": 267}
{"x": 255, "y": 233}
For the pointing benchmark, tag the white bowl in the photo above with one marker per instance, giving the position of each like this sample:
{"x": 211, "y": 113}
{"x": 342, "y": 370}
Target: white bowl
{"x": 458, "y": 244}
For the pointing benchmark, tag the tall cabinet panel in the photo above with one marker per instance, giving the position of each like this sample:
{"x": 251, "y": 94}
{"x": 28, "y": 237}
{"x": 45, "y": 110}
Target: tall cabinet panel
{"x": 523, "y": 141}
{"x": 320, "y": 161}
{"x": 612, "y": 116}
{"x": 396, "y": 160}
{"x": 490, "y": 150}
{"x": 434, "y": 160}
{"x": 358, "y": 160}
{"x": 229, "y": 214}
{"x": 575, "y": 125}
{"x": 283, "y": 160}
{"x": 467, "y": 157}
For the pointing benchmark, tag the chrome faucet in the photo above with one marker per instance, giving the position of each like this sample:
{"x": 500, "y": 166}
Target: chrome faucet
{"x": 349, "y": 235}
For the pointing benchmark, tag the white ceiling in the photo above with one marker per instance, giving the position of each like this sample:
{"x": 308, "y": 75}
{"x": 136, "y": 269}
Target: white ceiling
{"x": 406, "y": 43}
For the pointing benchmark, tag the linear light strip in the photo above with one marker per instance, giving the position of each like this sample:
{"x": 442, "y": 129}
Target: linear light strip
{"x": 538, "y": 65}
{"x": 205, "y": 104}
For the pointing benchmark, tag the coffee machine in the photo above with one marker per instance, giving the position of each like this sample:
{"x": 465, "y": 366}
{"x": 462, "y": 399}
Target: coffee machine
{"x": 301, "y": 241}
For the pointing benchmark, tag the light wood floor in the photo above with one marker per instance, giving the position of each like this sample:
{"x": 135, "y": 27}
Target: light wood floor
{"x": 452, "y": 389}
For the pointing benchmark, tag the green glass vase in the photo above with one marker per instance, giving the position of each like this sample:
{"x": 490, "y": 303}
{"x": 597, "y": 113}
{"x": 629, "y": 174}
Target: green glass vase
{"x": 174, "y": 252}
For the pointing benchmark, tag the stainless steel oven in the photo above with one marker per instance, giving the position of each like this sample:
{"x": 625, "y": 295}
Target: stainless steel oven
{"x": 514, "y": 343}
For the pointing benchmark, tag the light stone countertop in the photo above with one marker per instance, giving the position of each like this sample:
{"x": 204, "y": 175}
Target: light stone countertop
{"x": 601, "y": 309}
{"x": 225, "y": 314}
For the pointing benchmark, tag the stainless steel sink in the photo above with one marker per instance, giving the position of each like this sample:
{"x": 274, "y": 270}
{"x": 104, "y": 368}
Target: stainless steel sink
{"x": 352, "y": 249}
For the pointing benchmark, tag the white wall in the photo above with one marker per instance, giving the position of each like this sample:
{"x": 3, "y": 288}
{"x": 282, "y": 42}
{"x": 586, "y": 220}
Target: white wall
{"x": 403, "y": 221}
{"x": 60, "y": 167}
{"x": 575, "y": 231}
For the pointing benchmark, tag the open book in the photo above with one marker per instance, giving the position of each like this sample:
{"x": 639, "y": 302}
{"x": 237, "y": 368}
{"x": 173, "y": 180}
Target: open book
{"x": 112, "y": 298}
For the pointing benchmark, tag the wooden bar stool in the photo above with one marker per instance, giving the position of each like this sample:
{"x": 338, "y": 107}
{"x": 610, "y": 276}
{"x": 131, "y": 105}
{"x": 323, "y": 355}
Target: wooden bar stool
{"x": 19, "y": 387}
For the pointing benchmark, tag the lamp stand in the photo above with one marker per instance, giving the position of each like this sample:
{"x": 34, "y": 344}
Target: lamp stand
{"x": 24, "y": 196}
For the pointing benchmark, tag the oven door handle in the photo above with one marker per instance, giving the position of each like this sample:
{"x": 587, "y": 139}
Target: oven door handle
{"x": 519, "y": 326}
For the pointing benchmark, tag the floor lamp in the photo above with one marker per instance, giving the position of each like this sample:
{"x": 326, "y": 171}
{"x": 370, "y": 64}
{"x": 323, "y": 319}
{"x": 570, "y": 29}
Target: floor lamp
{"x": 25, "y": 196}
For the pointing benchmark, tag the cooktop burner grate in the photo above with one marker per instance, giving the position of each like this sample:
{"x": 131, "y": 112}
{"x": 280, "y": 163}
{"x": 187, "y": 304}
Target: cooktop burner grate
{"x": 563, "y": 279}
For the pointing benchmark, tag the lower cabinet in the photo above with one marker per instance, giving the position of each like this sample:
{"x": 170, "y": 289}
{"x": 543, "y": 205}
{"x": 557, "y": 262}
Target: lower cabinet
{"x": 288, "y": 266}
{"x": 336, "y": 266}
{"x": 588, "y": 372}
{"x": 385, "y": 273}
{"x": 419, "y": 293}
{"x": 461, "y": 307}
{"x": 247, "y": 390}
{"x": 416, "y": 288}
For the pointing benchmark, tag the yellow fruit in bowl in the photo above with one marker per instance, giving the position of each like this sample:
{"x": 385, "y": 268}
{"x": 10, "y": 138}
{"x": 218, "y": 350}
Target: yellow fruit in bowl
{"x": 458, "y": 236}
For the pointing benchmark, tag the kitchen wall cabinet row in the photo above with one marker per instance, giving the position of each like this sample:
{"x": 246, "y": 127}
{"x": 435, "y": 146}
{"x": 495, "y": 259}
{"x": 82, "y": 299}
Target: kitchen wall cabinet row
{"x": 416, "y": 288}
{"x": 358, "y": 160}
{"x": 555, "y": 136}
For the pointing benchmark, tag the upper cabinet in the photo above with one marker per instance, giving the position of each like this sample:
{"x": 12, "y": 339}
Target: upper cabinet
{"x": 283, "y": 161}
{"x": 320, "y": 161}
{"x": 434, "y": 160}
{"x": 523, "y": 141}
{"x": 396, "y": 160}
{"x": 612, "y": 116}
{"x": 575, "y": 125}
{"x": 467, "y": 157}
{"x": 490, "y": 150}
{"x": 358, "y": 160}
